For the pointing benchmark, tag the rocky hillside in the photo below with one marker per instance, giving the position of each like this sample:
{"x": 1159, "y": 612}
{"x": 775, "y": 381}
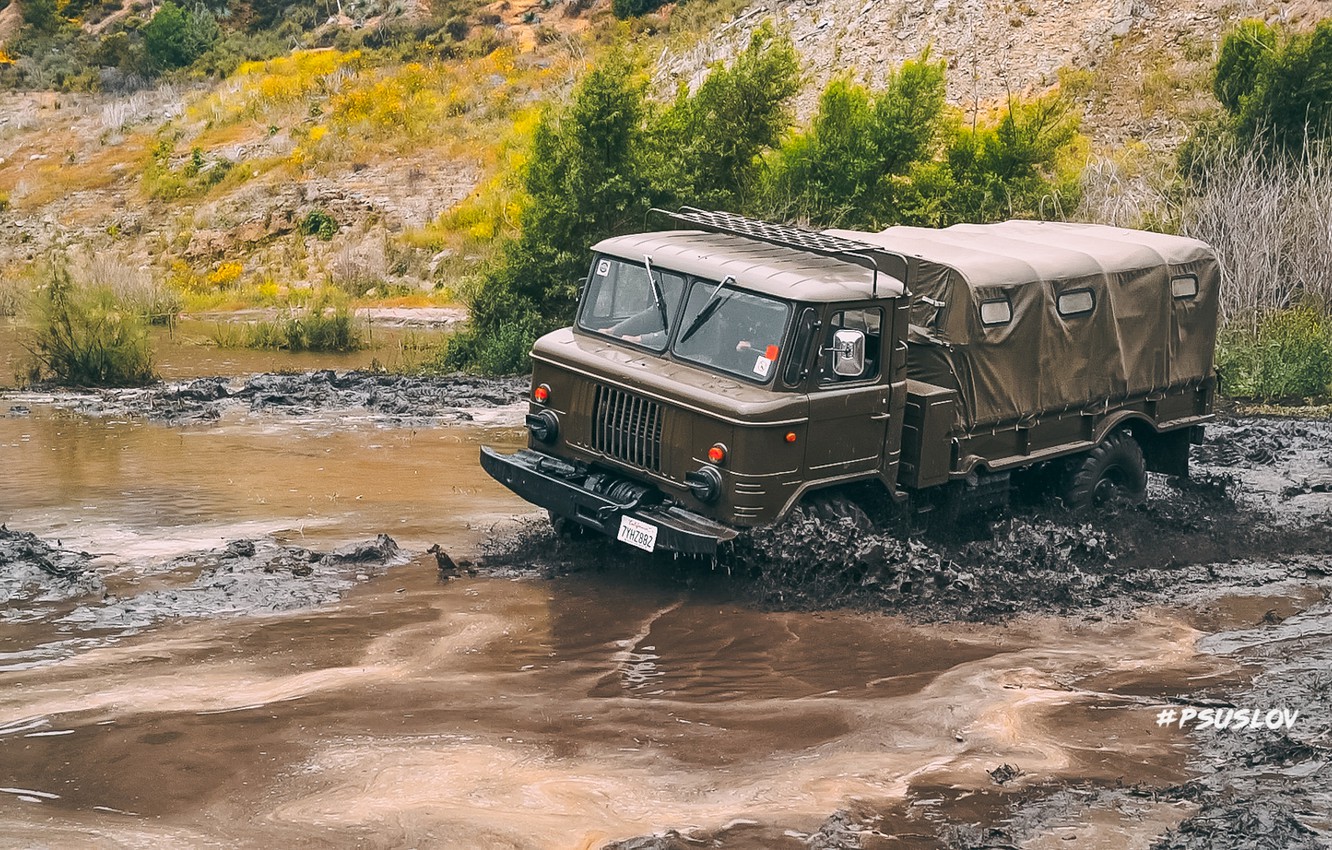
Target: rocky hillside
{"x": 335, "y": 165}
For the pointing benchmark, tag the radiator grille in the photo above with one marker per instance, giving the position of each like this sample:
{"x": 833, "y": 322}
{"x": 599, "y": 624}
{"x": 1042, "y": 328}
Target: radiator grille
{"x": 627, "y": 427}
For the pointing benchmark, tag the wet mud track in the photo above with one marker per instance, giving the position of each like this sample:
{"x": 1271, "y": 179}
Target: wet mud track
{"x": 998, "y": 688}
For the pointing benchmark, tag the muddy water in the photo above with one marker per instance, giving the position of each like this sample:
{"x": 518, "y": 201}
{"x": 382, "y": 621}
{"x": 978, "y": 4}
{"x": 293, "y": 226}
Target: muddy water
{"x": 132, "y": 488}
{"x": 187, "y": 351}
{"x": 492, "y": 713}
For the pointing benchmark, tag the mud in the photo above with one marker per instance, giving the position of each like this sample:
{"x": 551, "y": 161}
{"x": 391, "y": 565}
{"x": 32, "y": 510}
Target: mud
{"x": 391, "y": 398}
{"x": 1254, "y": 789}
{"x": 33, "y": 571}
{"x": 1044, "y": 558}
{"x": 56, "y": 593}
{"x": 244, "y": 577}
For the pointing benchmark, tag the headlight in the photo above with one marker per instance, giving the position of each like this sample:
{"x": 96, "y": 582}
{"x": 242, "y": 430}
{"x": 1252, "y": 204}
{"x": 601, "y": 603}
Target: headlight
{"x": 545, "y": 426}
{"x": 705, "y": 484}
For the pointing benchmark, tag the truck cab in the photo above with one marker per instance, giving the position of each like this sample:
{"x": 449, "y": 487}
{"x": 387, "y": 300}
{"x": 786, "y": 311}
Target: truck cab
{"x": 709, "y": 380}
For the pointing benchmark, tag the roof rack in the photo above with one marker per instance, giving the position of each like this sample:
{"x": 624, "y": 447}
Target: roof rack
{"x": 863, "y": 254}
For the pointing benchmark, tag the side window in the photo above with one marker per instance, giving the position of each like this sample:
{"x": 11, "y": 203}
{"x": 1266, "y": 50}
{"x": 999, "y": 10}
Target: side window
{"x": 996, "y": 311}
{"x": 1184, "y": 286}
{"x": 799, "y": 356}
{"x": 1075, "y": 302}
{"x": 867, "y": 320}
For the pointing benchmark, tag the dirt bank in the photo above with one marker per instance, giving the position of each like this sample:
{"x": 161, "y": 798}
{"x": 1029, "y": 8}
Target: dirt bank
{"x": 389, "y": 398}
{"x": 55, "y": 593}
{"x": 33, "y": 572}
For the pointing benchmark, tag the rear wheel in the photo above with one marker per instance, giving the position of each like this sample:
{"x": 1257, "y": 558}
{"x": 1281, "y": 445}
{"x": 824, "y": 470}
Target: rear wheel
{"x": 1113, "y": 469}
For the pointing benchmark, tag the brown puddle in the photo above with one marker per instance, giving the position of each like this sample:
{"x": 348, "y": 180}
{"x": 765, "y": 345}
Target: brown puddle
{"x": 134, "y": 488}
{"x": 500, "y": 713}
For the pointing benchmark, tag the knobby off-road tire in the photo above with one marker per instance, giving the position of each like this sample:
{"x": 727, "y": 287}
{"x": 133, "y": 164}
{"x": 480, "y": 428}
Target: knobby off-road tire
{"x": 1114, "y": 468}
{"x": 835, "y": 507}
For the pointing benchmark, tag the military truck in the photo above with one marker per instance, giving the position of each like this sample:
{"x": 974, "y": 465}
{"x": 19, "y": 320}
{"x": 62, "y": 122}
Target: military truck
{"x": 721, "y": 373}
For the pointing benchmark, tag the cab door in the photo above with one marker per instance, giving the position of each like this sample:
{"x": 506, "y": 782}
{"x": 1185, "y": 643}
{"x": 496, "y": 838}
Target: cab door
{"x": 848, "y": 414}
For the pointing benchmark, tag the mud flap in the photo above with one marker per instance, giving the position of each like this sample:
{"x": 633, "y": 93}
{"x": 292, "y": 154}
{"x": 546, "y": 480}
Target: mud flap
{"x": 1167, "y": 453}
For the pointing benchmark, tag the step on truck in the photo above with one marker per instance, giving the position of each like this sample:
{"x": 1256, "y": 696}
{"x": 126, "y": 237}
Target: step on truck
{"x": 722, "y": 372}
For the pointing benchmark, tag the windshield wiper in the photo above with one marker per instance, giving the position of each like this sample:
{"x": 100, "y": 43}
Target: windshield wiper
{"x": 657, "y": 294}
{"x": 708, "y": 309}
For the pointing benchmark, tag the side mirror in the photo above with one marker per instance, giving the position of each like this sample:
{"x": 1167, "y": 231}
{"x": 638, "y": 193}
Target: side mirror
{"x": 848, "y": 350}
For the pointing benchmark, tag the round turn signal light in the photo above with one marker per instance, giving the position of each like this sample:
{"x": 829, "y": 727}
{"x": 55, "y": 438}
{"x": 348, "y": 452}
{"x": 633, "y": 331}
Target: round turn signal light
{"x": 790, "y": 436}
{"x": 541, "y": 394}
{"x": 717, "y": 454}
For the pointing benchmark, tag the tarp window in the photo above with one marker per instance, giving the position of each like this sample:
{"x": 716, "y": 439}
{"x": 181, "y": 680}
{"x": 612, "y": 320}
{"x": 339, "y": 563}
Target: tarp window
{"x": 1184, "y": 287}
{"x": 1075, "y": 302}
{"x": 996, "y": 312}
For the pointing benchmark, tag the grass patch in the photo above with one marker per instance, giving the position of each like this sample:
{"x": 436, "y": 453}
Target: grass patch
{"x": 320, "y": 328}
{"x": 1288, "y": 357}
{"x": 85, "y": 336}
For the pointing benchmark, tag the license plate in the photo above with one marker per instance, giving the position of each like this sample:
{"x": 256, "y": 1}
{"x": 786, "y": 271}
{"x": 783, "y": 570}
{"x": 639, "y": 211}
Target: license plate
{"x": 637, "y": 533}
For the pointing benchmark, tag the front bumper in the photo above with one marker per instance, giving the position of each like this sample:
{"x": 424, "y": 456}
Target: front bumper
{"x": 556, "y": 485}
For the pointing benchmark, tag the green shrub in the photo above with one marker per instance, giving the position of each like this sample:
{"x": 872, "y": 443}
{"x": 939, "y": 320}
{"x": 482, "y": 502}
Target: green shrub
{"x": 1276, "y": 87}
{"x": 633, "y": 8}
{"x": 599, "y": 164}
{"x": 708, "y": 145}
{"x": 320, "y": 328}
{"x": 1245, "y": 53}
{"x": 587, "y": 180}
{"x": 1009, "y": 166}
{"x": 175, "y": 37}
{"x": 319, "y": 223}
{"x": 1289, "y": 356}
{"x": 41, "y": 16}
{"x": 84, "y": 337}
{"x": 501, "y": 353}
{"x": 841, "y": 170}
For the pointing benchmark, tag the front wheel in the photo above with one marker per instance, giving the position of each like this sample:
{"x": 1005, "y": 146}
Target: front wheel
{"x": 1113, "y": 469}
{"x": 835, "y": 508}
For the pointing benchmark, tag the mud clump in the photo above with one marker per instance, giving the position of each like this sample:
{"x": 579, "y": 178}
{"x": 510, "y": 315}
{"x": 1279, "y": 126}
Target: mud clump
{"x": 1044, "y": 560}
{"x": 387, "y": 397}
{"x": 244, "y": 577}
{"x": 1264, "y": 442}
{"x": 34, "y": 571}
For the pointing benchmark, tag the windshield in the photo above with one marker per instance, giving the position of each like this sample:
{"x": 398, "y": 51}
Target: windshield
{"x": 734, "y": 331}
{"x": 622, "y": 302}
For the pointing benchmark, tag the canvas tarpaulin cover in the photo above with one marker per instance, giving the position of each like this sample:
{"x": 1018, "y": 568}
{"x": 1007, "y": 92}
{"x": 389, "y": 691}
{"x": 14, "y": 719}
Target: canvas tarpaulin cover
{"x": 1025, "y": 318}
